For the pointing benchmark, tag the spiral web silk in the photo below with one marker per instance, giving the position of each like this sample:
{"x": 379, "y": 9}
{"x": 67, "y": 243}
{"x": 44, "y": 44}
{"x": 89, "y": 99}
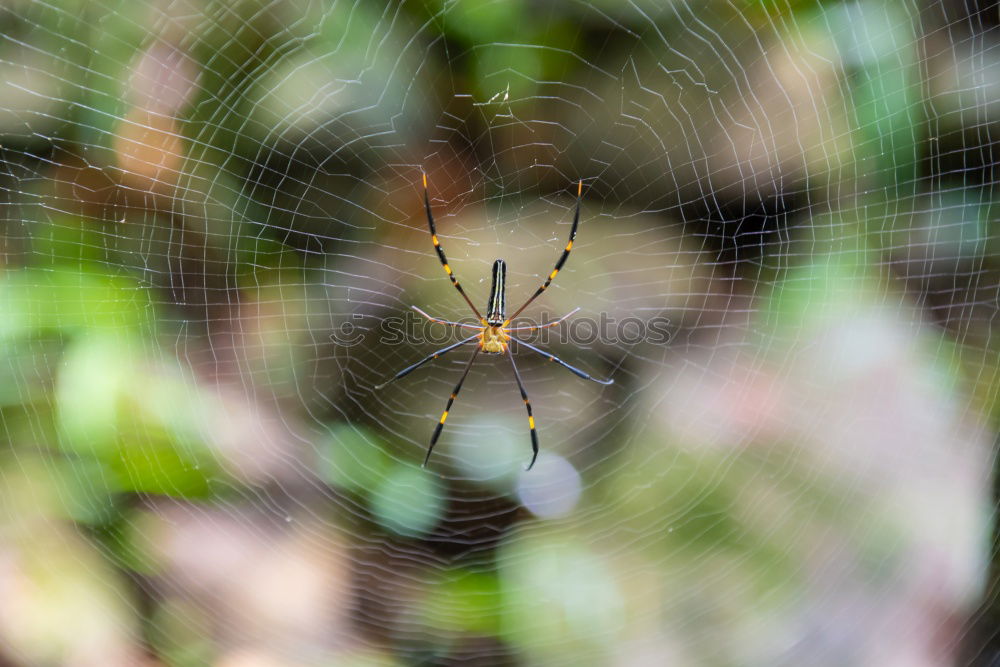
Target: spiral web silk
{"x": 787, "y": 261}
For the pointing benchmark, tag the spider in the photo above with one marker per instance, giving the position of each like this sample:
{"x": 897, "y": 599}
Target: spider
{"x": 493, "y": 336}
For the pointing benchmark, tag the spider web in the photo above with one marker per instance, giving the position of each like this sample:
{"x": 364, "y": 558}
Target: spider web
{"x": 213, "y": 236}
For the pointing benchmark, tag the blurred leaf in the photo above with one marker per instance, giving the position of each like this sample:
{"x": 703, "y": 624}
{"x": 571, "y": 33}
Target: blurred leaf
{"x": 700, "y": 513}
{"x": 65, "y": 301}
{"x": 484, "y": 21}
{"x": 501, "y": 67}
{"x": 138, "y": 542}
{"x": 504, "y": 71}
{"x": 834, "y": 286}
{"x": 119, "y": 28}
{"x": 408, "y": 501}
{"x": 69, "y": 241}
{"x": 95, "y": 376}
{"x": 179, "y": 632}
{"x": 87, "y": 490}
{"x": 776, "y": 8}
{"x": 353, "y": 459}
{"x": 878, "y": 49}
{"x": 464, "y": 602}
{"x": 24, "y": 379}
{"x": 141, "y": 420}
{"x": 559, "y": 595}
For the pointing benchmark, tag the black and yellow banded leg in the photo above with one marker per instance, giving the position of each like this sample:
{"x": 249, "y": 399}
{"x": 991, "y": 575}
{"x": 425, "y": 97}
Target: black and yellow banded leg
{"x": 552, "y": 357}
{"x": 531, "y": 417}
{"x": 430, "y": 357}
{"x": 440, "y": 253}
{"x": 451, "y": 400}
{"x": 562, "y": 258}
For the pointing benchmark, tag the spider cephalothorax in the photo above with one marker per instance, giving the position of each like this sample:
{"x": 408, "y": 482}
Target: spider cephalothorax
{"x": 493, "y": 335}
{"x": 494, "y": 339}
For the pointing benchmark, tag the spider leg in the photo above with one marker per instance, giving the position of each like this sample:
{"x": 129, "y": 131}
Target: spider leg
{"x": 440, "y": 253}
{"x": 546, "y": 326}
{"x": 431, "y": 357}
{"x": 552, "y": 357}
{"x": 451, "y": 400}
{"x": 531, "y": 418}
{"x": 454, "y": 324}
{"x": 562, "y": 258}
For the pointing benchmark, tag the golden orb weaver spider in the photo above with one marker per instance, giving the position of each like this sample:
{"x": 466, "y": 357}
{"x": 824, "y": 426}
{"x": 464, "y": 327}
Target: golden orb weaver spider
{"x": 493, "y": 333}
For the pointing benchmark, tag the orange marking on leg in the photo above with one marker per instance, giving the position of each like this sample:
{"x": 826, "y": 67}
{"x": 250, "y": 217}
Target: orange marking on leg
{"x": 579, "y": 186}
{"x": 531, "y": 422}
{"x": 434, "y": 239}
{"x": 425, "y": 180}
{"x": 553, "y": 274}
{"x": 569, "y": 246}
{"x": 443, "y": 417}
